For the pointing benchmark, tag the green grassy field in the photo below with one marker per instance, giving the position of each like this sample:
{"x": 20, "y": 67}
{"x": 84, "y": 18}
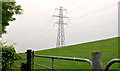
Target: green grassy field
{"x": 108, "y": 47}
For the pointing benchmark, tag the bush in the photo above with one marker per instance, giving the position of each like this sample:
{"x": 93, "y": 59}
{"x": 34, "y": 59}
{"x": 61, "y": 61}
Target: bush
{"x": 9, "y": 55}
{"x": 23, "y": 67}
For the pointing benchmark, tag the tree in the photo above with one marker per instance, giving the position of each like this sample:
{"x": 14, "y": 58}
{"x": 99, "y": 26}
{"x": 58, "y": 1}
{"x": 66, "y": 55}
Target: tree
{"x": 8, "y": 9}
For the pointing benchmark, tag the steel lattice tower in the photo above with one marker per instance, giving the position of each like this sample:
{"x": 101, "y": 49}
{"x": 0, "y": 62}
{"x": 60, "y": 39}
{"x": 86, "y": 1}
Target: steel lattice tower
{"x": 60, "y": 34}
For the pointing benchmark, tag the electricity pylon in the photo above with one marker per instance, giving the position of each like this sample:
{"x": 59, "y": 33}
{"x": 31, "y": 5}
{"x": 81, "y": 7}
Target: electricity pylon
{"x": 60, "y": 34}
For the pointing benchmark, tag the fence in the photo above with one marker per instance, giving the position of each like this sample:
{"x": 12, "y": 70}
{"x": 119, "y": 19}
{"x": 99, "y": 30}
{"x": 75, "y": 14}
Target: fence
{"x": 96, "y": 63}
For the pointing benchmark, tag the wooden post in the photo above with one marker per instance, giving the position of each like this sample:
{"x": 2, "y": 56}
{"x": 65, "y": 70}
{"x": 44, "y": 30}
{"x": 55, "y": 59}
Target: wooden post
{"x": 33, "y": 60}
{"x": 29, "y": 60}
{"x": 96, "y": 61}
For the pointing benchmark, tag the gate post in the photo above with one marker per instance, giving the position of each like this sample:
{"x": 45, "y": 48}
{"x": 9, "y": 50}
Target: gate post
{"x": 96, "y": 61}
{"x": 33, "y": 59}
{"x": 29, "y": 60}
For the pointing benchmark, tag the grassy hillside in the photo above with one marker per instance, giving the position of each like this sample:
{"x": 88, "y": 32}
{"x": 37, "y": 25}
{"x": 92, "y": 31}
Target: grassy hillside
{"x": 109, "y": 49}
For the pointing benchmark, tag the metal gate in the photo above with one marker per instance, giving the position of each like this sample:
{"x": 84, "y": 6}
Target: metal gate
{"x": 96, "y": 63}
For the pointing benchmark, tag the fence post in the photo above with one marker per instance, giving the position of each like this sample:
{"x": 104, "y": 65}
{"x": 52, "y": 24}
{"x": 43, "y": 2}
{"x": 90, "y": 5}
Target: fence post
{"x": 29, "y": 60}
{"x": 96, "y": 61}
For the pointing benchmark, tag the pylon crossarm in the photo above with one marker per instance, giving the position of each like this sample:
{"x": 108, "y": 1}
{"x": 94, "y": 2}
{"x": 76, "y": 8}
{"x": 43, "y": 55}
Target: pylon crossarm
{"x": 55, "y": 16}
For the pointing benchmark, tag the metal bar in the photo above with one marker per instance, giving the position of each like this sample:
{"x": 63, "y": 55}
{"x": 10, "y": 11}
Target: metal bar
{"x": 66, "y": 58}
{"x": 46, "y": 67}
{"x": 43, "y": 66}
{"x": 53, "y": 64}
{"x": 33, "y": 60}
{"x": 110, "y": 63}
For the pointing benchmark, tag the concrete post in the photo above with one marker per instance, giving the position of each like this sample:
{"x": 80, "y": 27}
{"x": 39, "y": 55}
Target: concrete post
{"x": 96, "y": 61}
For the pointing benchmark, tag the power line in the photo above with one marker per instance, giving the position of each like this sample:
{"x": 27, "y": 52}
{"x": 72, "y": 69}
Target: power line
{"x": 94, "y": 20}
{"x": 80, "y": 6}
{"x": 42, "y": 36}
{"x": 93, "y": 12}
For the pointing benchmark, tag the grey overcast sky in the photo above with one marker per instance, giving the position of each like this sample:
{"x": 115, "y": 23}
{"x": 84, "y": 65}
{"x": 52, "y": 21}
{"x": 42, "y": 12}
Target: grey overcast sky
{"x": 90, "y": 20}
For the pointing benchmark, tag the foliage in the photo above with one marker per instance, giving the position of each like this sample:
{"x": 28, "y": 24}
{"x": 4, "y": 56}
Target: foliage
{"x": 23, "y": 67}
{"x": 9, "y": 55}
{"x": 8, "y": 10}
